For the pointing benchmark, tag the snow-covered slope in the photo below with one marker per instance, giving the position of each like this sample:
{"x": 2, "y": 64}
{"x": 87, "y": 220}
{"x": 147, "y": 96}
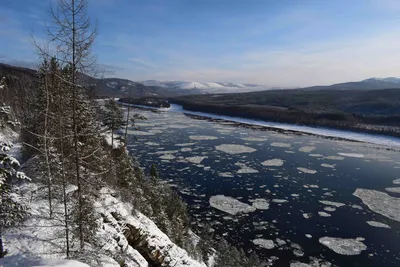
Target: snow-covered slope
{"x": 206, "y": 87}
{"x": 123, "y": 235}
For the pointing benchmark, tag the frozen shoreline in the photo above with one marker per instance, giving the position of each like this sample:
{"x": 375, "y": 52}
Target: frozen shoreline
{"x": 321, "y": 131}
{"x": 362, "y": 137}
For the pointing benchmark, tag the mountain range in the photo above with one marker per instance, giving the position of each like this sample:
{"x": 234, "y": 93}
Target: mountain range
{"x": 116, "y": 87}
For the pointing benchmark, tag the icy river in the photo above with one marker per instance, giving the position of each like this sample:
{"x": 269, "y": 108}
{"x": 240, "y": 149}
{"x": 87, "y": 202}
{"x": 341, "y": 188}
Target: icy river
{"x": 291, "y": 197}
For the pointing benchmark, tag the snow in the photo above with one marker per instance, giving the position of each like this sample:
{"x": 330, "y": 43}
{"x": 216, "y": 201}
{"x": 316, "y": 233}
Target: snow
{"x": 264, "y": 243}
{"x": 321, "y": 131}
{"x": 20, "y": 260}
{"x": 378, "y": 224}
{"x": 235, "y": 149}
{"x": 343, "y": 246}
{"x": 230, "y": 205}
{"x": 273, "y": 162}
{"x": 380, "y": 202}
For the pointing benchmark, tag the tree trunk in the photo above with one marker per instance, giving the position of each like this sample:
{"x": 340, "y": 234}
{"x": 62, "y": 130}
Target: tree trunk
{"x": 127, "y": 119}
{"x": 46, "y": 147}
{"x": 2, "y": 253}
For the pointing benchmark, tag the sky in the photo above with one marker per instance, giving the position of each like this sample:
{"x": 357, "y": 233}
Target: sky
{"x": 285, "y": 43}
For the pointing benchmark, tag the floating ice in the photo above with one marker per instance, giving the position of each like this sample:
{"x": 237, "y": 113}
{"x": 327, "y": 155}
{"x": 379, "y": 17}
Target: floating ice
{"x": 195, "y": 160}
{"x": 323, "y": 214}
{"x": 380, "y": 202}
{"x": 279, "y": 200}
{"x": 334, "y": 158}
{"x": 343, "y": 246}
{"x": 307, "y": 149}
{"x": 261, "y": 204}
{"x": 316, "y": 155}
{"x": 202, "y": 137}
{"x": 277, "y": 144}
{"x": 307, "y": 215}
{"x": 235, "y": 149}
{"x": 226, "y": 174}
{"x": 308, "y": 236}
{"x": 254, "y": 139}
{"x": 378, "y": 224}
{"x": 185, "y": 144}
{"x": 327, "y": 165}
{"x": 273, "y": 162}
{"x": 152, "y": 144}
{"x": 230, "y": 205}
{"x": 264, "y": 243}
{"x": 167, "y": 156}
{"x": 329, "y": 209}
{"x": 139, "y": 133}
{"x": 305, "y": 170}
{"x": 351, "y": 155}
{"x": 186, "y": 149}
{"x": 397, "y": 181}
{"x": 393, "y": 189}
{"x": 331, "y": 203}
{"x": 166, "y": 152}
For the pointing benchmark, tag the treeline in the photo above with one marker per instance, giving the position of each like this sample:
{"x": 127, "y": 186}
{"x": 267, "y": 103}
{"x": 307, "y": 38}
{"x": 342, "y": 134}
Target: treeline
{"x": 376, "y": 124}
{"x": 146, "y": 101}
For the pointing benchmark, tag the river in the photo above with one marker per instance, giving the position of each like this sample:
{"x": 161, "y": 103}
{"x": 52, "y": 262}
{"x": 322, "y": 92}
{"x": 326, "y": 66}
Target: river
{"x": 289, "y": 196}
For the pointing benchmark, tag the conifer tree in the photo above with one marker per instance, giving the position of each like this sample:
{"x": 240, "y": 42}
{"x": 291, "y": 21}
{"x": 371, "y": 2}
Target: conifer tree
{"x": 113, "y": 118}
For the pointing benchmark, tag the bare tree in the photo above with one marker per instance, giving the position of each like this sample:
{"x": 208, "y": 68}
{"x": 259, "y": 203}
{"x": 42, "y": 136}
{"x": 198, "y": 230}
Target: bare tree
{"x": 73, "y": 37}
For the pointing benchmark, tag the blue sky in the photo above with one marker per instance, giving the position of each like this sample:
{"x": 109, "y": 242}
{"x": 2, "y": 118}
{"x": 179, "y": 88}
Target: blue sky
{"x": 276, "y": 43}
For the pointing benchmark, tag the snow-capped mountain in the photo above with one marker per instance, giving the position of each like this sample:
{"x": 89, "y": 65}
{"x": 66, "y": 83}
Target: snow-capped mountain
{"x": 206, "y": 87}
{"x": 388, "y": 80}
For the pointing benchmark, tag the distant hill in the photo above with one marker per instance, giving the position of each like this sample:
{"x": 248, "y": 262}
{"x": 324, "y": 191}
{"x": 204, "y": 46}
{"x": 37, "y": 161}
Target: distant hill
{"x": 368, "y": 84}
{"x": 205, "y": 87}
{"x": 108, "y": 87}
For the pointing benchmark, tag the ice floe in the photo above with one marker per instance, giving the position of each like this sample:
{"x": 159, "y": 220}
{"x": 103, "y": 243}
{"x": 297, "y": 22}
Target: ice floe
{"x": 260, "y": 204}
{"x": 273, "y": 162}
{"x": 305, "y": 170}
{"x": 254, "y": 139}
{"x": 230, "y": 205}
{"x": 351, "y": 155}
{"x": 235, "y": 149}
{"x": 278, "y": 144}
{"x": 226, "y": 174}
{"x": 202, "y": 137}
{"x": 393, "y": 189}
{"x": 380, "y": 202}
{"x": 307, "y": 149}
{"x": 139, "y": 133}
{"x": 378, "y": 224}
{"x": 323, "y": 214}
{"x": 195, "y": 159}
{"x": 167, "y": 156}
{"x": 279, "y": 200}
{"x": 334, "y": 157}
{"x": 185, "y": 144}
{"x": 397, "y": 181}
{"x": 245, "y": 169}
{"x": 343, "y": 246}
{"x": 331, "y": 203}
{"x": 327, "y": 165}
{"x": 264, "y": 243}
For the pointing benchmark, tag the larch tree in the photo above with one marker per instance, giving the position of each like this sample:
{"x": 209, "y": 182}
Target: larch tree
{"x": 72, "y": 36}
